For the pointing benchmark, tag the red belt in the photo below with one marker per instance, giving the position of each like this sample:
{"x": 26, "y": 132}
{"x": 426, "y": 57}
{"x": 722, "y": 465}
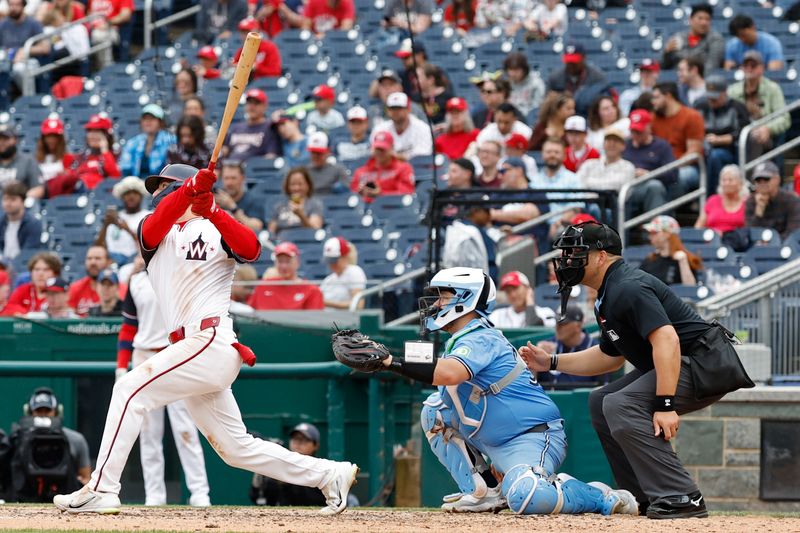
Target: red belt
{"x": 180, "y": 333}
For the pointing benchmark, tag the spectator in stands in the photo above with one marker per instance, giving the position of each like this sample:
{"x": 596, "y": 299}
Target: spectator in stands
{"x": 699, "y": 41}
{"x": 770, "y": 206}
{"x": 146, "y": 153}
{"x": 691, "y": 80}
{"x": 387, "y": 83}
{"x": 468, "y": 243}
{"x": 553, "y": 174}
{"x": 51, "y": 148}
{"x": 570, "y": 337}
{"x": 276, "y": 15}
{"x": 108, "y": 290}
{"x": 762, "y": 97}
{"x": 324, "y": 117}
{"x": 328, "y": 177}
{"x": 293, "y": 142}
{"x": 284, "y": 289}
{"x": 301, "y": 209}
{"x": 242, "y": 289}
{"x": 460, "y": 174}
{"x": 671, "y": 262}
{"x": 460, "y": 14}
{"x": 724, "y": 211}
{"x": 521, "y": 311}
{"x": 71, "y": 10}
{"x": 119, "y": 229}
{"x": 83, "y": 293}
{"x": 611, "y": 171}
{"x": 255, "y": 136}
{"x": 435, "y": 92}
{"x": 604, "y": 115}
{"x": 383, "y": 173}
{"x": 512, "y": 173}
{"x": 649, "y": 70}
{"x": 195, "y": 107}
{"x": 234, "y": 198}
{"x": 577, "y": 151}
{"x": 745, "y": 37}
{"x": 489, "y": 154}
{"x": 413, "y": 57}
{"x": 116, "y": 13}
{"x": 19, "y": 229}
{"x": 207, "y": 68}
{"x": 321, "y": 16}
{"x": 357, "y": 146}
{"x": 555, "y": 110}
{"x": 508, "y": 14}
{"x": 346, "y": 279}
{"x": 517, "y": 146}
{"x": 505, "y": 124}
{"x": 547, "y": 20}
{"x": 494, "y": 91}
{"x": 191, "y": 148}
{"x": 15, "y": 29}
{"x": 17, "y": 166}
{"x": 580, "y": 79}
{"x": 56, "y": 305}
{"x": 184, "y": 86}
{"x": 527, "y": 89}
{"x": 86, "y": 169}
{"x": 219, "y": 19}
{"x": 646, "y": 151}
{"x": 411, "y": 136}
{"x": 73, "y": 40}
{"x": 5, "y": 289}
{"x": 682, "y": 127}
{"x": 396, "y": 21}
{"x": 724, "y": 119}
{"x": 268, "y": 59}
{"x": 30, "y": 296}
{"x": 459, "y": 132}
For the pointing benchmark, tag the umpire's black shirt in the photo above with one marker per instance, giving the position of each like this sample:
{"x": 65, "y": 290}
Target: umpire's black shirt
{"x": 630, "y": 305}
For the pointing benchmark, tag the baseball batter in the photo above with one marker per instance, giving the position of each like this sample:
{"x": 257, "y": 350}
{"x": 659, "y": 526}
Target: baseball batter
{"x": 191, "y": 248}
{"x": 143, "y": 334}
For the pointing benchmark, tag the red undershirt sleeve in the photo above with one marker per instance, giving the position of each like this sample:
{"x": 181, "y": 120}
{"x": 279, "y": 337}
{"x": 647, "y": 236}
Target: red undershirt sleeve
{"x": 156, "y": 225}
{"x": 239, "y": 240}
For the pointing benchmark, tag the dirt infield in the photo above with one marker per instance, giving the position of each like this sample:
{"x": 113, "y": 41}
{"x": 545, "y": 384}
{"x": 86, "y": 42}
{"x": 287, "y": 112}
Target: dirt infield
{"x": 250, "y": 519}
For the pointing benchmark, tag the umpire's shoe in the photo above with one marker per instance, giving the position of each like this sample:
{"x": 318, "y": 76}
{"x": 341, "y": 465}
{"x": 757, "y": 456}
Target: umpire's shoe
{"x": 338, "y": 487}
{"x": 681, "y": 506}
{"x": 86, "y": 500}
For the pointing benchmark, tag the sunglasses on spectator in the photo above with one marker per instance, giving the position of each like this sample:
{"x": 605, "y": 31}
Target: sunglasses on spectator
{"x": 761, "y": 178}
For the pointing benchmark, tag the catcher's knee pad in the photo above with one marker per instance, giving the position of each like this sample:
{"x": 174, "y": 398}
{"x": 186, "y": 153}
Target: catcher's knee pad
{"x": 430, "y": 417}
{"x": 528, "y": 491}
{"x": 582, "y": 498}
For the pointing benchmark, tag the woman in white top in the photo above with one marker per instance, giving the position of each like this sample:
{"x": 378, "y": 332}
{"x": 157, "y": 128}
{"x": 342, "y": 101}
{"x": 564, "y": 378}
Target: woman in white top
{"x": 548, "y": 19}
{"x": 346, "y": 279}
{"x": 604, "y": 115}
{"x": 51, "y": 148}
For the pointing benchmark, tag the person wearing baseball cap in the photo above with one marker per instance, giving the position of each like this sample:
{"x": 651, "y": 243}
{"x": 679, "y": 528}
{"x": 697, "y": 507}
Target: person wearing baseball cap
{"x": 20, "y": 165}
{"x": 327, "y": 176}
{"x": 324, "y": 117}
{"x": 357, "y": 146}
{"x": 413, "y": 58}
{"x": 51, "y": 147}
{"x": 145, "y": 153}
{"x": 207, "y": 66}
{"x": 268, "y": 59}
{"x": 412, "y": 136}
{"x": 118, "y": 231}
{"x": 460, "y": 174}
{"x": 383, "y": 173}
{"x": 321, "y": 16}
{"x": 579, "y": 78}
{"x": 771, "y": 206}
{"x": 521, "y": 311}
{"x": 346, "y": 279}
{"x": 577, "y": 151}
{"x": 670, "y": 261}
{"x": 94, "y": 163}
{"x": 459, "y": 132}
{"x": 646, "y": 151}
{"x": 282, "y": 288}
{"x": 254, "y": 136}
{"x": 517, "y": 146}
{"x": 108, "y": 290}
{"x": 649, "y": 70}
{"x": 57, "y": 297}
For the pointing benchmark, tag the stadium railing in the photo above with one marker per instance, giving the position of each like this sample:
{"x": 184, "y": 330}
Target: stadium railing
{"x": 150, "y": 25}
{"x": 744, "y": 164}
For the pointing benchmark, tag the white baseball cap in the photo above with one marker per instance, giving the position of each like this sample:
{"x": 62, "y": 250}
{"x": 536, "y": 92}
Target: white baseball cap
{"x": 317, "y": 142}
{"x": 575, "y": 123}
{"x": 397, "y": 100}
{"x": 334, "y": 248}
{"x": 357, "y": 113}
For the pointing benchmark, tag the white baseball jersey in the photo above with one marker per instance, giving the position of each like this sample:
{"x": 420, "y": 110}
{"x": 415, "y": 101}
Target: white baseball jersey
{"x": 151, "y": 333}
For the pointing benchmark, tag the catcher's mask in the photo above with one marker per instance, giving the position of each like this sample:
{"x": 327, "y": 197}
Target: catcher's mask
{"x": 471, "y": 288}
{"x": 177, "y": 174}
{"x": 575, "y": 244}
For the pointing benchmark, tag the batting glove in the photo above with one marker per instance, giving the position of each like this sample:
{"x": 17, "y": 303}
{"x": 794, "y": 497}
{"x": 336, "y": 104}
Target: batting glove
{"x": 203, "y": 181}
{"x": 204, "y": 204}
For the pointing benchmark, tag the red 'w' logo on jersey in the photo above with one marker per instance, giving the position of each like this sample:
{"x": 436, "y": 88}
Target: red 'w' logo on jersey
{"x": 197, "y": 250}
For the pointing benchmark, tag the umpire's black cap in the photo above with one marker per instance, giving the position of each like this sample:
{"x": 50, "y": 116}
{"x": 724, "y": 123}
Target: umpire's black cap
{"x": 176, "y": 172}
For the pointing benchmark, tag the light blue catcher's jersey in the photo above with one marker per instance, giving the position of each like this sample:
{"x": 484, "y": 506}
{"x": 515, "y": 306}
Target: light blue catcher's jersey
{"x": 493, "y": 418}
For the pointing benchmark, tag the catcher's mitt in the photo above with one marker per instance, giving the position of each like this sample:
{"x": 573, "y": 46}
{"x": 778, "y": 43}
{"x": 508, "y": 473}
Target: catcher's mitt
{"x": 354, "y": 349}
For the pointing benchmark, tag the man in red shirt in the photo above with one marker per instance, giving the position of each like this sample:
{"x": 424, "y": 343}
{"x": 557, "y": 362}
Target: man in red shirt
{"x": 83, "y": 293}
{"x": 268, "y": 59}
{"x": 207, "y": 68}
{"x": 115, "y": 14}
{"x": 577, "y": 150}
{"x": 290, "y": 294}
{"x": 322, "y": 16}
{"x": 383, "y": 173}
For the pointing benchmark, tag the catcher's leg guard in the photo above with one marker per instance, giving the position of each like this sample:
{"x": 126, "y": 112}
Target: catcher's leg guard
{"x": 450, "y": 447}
{"x": 529, "y": 492}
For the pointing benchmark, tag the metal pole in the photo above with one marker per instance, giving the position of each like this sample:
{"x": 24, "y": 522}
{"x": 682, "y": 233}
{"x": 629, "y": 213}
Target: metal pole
{"x": 745, "y": 133}
{"x": 765, "y": 319}
{"x": 335, "y": 420}
{"x": 376, "y": 437}
{"x": 148, "y": 24}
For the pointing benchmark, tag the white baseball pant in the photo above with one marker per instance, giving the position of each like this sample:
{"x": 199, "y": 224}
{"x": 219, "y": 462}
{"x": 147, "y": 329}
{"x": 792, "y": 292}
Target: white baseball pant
{"x": 151, "y": 447}
{"x": 198, "y": 370}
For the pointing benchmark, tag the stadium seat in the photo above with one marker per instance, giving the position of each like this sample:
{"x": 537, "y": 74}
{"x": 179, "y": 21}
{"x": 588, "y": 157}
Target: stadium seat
{"x": 545, "y": 295}
{"x": 694, "y": 236}
{"x": 767, "y": 258}
{"x": 692, "y": 293}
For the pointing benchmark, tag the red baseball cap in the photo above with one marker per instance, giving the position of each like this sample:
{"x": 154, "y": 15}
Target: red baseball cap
{"x": 640, "y": 119}
{"x": 383, "y": 139}
{"x": 573, "y": 53}
{"x": 207, "y": 52}
{"x": 517, "y": 141}
{"x": 256, "y": 94}
{"x": 287, "y": 248}
{"x": 514, "y": 278}
{"x": 581, "y": 218}
{"x": 456, "y": 104}
{"x": 650, "y": 64}
{"x": 52, "y": 126}
{"x": 99, "y": 122}
{"x": 324, "y": 92}
{"x": 334, "y": 248}
{"x": 248, "y": 24}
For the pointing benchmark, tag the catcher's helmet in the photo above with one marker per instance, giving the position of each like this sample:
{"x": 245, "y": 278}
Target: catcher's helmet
{"x": 177, "y": 172}
{"x": 473, "y": 289}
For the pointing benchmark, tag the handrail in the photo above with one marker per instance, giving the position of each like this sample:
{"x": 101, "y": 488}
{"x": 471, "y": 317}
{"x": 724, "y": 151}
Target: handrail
{"x": 57, "y": 31}
{"x": 150, "y": 26}
{"x": 408, "y": 276}
{"x": 745, "y": 134}
{"x": 544, "y": 217}
{"x": 624, "y": 192}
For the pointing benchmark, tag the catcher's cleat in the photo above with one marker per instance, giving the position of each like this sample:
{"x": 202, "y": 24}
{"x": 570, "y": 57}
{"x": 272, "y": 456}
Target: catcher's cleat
{"x": 493, "y": 502}
{"x": 337, "y": 489}
{"x": 626, "y": 502}
{"x": 86, "y": 500}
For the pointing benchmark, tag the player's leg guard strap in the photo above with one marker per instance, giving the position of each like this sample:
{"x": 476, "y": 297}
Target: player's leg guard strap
{"x": 529, "y": 492}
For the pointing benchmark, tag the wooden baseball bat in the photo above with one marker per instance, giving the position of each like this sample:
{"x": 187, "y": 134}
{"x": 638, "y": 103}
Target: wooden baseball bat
{"x": 243, "y": 69}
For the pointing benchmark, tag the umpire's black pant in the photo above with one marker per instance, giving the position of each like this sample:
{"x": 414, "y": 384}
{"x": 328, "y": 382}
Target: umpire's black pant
{"x": 622, "y": 415}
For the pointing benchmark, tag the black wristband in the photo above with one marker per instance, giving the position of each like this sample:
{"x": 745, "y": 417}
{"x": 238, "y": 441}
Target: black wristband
{"x": 422, "y": 372}
{"x": 664, "y": 403}
{"x": 553, "y": 361}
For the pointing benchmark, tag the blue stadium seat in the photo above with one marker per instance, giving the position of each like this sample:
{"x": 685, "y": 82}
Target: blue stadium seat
{"x": 767, "y": 258}
{"x": 692, "y": 293}
{"x": 545, "y": 295}
{"x": 712, "y": 252}
{"x": 303, "y": 235}
{"x": 693, "y": 236}
{"x": 766, "y": 236}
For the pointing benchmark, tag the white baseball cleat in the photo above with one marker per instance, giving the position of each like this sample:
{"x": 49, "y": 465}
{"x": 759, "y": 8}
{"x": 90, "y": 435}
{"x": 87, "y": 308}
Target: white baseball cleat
{"x": 86, "y": 500}
{"x": 492, "y": 502}
{"x": 199, "y": 500}
{"x": 337, "y": 489}
{"x": 627, "y": 503}
{"x": 452, "y": 497}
